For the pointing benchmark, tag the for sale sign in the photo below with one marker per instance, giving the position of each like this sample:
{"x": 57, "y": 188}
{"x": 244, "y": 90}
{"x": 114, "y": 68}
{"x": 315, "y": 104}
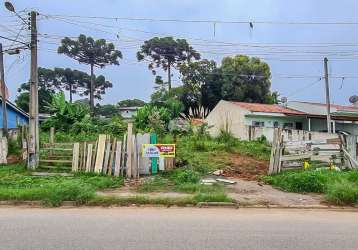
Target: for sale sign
{"x": 158, "y": 150}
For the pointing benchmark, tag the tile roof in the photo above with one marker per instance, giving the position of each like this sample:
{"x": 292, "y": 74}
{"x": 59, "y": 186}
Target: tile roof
{"x": 336, "y": 106}
{"x": 267, "y": 108}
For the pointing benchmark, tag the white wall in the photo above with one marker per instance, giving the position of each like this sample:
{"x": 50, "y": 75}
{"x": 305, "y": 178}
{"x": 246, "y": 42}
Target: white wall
{"x": 227, "y": 116}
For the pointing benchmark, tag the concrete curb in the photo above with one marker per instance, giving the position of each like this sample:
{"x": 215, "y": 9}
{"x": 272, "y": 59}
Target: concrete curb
{"x": 72, "y": 204}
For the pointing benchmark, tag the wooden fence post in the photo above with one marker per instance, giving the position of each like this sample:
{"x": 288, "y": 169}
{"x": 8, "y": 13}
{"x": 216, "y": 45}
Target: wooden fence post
{"x": 75, "y": 156}
{"x": 111, "y": 157}
{"x": 129, "y": 150}
{"x": 89, "y": 158}
{"x": 100, "y": 153}
{"x": 52, "y": 135}
{"x": 117, "y": 162}
{"x": 276, "y": 152}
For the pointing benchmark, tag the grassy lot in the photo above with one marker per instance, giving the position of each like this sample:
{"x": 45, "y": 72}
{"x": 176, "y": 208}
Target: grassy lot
{"x": 198, "y": 156}
{"x": 16, "y": 183}
{"x": 340, "y": 188}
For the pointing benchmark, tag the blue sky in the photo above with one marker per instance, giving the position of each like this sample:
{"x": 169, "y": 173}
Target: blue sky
{"x": 291, "y": 50}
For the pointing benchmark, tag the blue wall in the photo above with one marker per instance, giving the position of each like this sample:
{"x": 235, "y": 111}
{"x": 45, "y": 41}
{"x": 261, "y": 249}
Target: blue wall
{"x": 12, "y": 116}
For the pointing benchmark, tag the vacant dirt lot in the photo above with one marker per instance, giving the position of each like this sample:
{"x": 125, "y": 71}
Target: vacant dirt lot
{"x": 245, "y": 167}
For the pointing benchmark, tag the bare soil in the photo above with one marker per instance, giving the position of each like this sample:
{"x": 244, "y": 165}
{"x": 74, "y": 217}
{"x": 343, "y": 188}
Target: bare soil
{"x": 253, "y": 192}
{"x": 245, "y": 167}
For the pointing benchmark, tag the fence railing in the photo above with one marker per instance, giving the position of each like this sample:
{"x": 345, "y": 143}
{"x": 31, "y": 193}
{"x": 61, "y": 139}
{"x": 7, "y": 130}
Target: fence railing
{"x": 337, "y": 150}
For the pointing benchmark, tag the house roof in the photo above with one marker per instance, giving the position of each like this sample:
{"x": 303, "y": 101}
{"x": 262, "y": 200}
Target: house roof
{"x": 334, "y": 106}
{"x": 267, "y": 108}
{"x": 14, "y": 107}
{"x": 313, "y": 109}
{"x": 129, "y": 108}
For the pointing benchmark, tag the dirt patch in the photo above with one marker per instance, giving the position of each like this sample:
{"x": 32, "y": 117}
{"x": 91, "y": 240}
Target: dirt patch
{"x": 245, "y": 167}
{"x": 252, "y": 192}
{"x": 12, "y": 159}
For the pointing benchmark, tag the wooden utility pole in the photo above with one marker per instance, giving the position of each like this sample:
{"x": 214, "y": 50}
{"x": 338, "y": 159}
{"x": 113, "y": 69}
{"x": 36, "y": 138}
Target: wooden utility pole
{"x": 3, "y": 93}
{"x": 328, "y": 102}
{"x": 33, "y": 147}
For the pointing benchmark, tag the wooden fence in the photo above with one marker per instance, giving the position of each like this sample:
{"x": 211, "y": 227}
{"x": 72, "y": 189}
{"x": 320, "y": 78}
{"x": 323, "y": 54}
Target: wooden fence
{"x": 107, "y": 155}
{"x": 338, "y": 150}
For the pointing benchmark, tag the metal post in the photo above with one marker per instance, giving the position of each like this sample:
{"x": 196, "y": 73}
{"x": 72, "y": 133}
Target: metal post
{"x": 33, "y": 146}
{"x": 328, "y": 102}
{"x": 3, "y": 93}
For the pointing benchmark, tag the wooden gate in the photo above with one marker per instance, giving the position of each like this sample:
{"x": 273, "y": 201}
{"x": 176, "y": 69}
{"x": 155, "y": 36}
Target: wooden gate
{"x": 336, "y": 150}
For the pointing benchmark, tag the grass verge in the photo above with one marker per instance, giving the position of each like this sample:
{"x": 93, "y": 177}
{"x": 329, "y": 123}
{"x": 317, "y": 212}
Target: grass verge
{"x": 340, "y": 188}
{"x": 16, "y": 183}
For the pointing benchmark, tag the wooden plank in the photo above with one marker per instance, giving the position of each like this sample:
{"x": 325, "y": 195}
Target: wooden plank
{"x": 273, "y": 151}
{"x": 278, "y": 153}
{"x": 58, "y": 161}
{"x": 89, "y": 157}
{"x": 94, "y": 154}
{"x": 100, "y": 153}
{"x": 111, "y": 157}
{"x": 64, "y": 144}
{"x": 296, "y": 157}
{"x": 129, "y": 150}
{"x": 106, "y": 155}
{"x": 56, "y": 149}
{"x": 75, "y": 158}
{"x": 52, "y": 135}
{"x": 118, "y": 156}
{"x": 353, "y": 162}
{"x": 135, "y": 172}
{"x": 123, "y": 155}
{"x": 143, "y": 162}
{"x": 84, "y": 156}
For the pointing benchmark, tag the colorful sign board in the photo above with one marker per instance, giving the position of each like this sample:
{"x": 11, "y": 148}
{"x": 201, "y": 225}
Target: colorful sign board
{"x": 158, "y": 150}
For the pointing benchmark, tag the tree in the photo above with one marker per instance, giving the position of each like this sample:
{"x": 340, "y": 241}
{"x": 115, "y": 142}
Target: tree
{"x": 245, "y": 79}
{"x": 166, "y": 53}
{"x": 131, "y": 103}
{"x": 47, "y": 87}
{"x": 194, "y": 76}
{"x": 99, "y": 87}
{"x": 96, "y": 53}
{"x": 107, "y": 110}
{"x": 70, "y": 80}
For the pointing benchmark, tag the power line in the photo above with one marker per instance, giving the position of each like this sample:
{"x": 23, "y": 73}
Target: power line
{"x": 268, "y": 22}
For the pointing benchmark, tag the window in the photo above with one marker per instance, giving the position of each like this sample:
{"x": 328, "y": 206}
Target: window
{"x": 275, "y": 124}
{"x": 288, "y": 125}
{"x": 258, "y": 124}
{"x": 299, "y": 125}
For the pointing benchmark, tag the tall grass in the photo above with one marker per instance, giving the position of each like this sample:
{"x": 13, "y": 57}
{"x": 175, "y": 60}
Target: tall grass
{"x": 340, "y": 188}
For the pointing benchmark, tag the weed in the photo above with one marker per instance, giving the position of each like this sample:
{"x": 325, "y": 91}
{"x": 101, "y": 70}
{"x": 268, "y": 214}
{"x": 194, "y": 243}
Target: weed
{"x": 342, "y": 193}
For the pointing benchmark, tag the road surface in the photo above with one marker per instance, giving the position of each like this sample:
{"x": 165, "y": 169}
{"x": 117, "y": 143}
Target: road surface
{"x": 176, "y": 228}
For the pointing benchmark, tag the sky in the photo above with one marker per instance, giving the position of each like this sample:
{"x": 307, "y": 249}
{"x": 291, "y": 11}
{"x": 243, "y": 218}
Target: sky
{"x": 293, "y": 37}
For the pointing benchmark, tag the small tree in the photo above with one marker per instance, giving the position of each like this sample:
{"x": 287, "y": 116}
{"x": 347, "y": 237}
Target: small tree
{"x": 166, "y": 53}
{"x": 92, "y": 52}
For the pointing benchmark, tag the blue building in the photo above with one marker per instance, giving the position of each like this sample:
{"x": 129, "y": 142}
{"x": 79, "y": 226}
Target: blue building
{"x": 15, "y": 116}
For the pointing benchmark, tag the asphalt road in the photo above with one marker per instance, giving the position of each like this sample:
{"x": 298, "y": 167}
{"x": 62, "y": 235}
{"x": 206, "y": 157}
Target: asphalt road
{"x": 175, "y": 228}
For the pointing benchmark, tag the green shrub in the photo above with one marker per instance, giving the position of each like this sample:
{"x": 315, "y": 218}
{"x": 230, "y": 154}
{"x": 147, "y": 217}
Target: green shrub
{"x": 301, "y": 182}
{"x": 342, "y": 193}
{"x": 14, "y": 148}
{"x": 187, "y": 176}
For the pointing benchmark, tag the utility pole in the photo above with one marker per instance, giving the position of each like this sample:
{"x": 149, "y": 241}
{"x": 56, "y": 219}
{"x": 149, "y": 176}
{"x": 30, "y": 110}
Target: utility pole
{"x": 33, "y": 141}
{"x": 3, "y": 93}
{"x": 328, "y": 102}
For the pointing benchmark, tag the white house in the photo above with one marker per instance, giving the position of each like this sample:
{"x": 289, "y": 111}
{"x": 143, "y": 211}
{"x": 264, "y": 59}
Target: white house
{"x": 239, "y": 118}
{"x": 344, "y": 118}
{"x": 128, "y": 112}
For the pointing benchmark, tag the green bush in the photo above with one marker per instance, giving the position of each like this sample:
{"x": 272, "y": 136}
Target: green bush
{"x": 301, "y": 182}
{"x": 14, "y": 148}
{"x": 186, "y": 176}
{"x": 342, "y": 193}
